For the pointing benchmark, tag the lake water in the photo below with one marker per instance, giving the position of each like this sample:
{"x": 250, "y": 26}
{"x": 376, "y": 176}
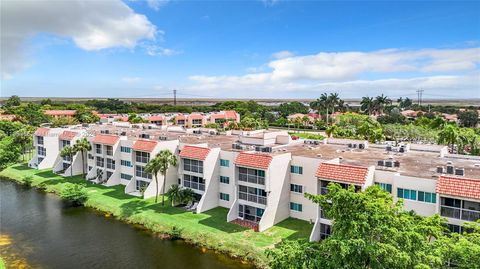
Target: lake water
{"x": 39, "y": 231}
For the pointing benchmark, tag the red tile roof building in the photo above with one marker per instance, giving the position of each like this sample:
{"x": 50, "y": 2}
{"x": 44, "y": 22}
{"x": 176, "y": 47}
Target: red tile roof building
{"x": 144, "y": 145}
{"x": 343, "y": 173}
{"x": 254, "y": 160}
{"x": 42, "y": 131}
{"x": 192, "y": 152}
{"x": 60, "y": 113}
{"x": 105, "y": 139}
{"x": 68, "y": 135}
{"x": 459, "y": 187}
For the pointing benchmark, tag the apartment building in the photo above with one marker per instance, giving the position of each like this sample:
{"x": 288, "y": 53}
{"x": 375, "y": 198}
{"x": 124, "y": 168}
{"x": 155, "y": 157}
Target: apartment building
{"x": 261, "y": 176}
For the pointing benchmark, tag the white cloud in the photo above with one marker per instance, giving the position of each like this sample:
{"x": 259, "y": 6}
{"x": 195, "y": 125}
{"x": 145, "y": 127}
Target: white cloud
{"x": 157, "y": 4}
{"x": 131, "y": 79}
{"x": 92, "y": 25}
{"x": 448, "y": 70}
{"x": 282, "y": 54}
{"x": 154, "y": 50}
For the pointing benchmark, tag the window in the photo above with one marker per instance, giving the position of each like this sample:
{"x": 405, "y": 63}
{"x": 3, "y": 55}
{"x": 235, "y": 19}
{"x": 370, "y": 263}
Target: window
{"x": 110, "y": 163}
{"x": 197, "y": 122}
{"x": 125, "y": 149}
{"x": 224, "y": 163}
{"x": 385, "y": 186}
{"x": 125, "y": 176}
{"x": 225, "y": 180}
{"x": 40, "y": 140}
{"x": 296, "y": 188}
{"x": 141, "y": 185}
{"x": 125, "y": 163}
{"x": 296, "y": 169}
{"x": 407, "y": 194}
{"x": 427, "y": 197}
{"x": 296, "y": 207}
{"x": 194, "y": 182}
{"x": 193, "y": 165}
{"x": 109, "y": 150}
{"x": 98, "y": 148}
{"x": 252, "y": 194}
{"x": 140, "y": 172}
{"x": 142, "y": 157}
{"x": 90, "y": 156}
{"x": 41, "y": 151}
{"x": 325, "y": 231}
{"x": 224, "y": 196}
{"x": 65, "y": 143}
{"x": 250, "y": 213}
{"x": 251, "y": 175}
{"x": 100, "y": 162}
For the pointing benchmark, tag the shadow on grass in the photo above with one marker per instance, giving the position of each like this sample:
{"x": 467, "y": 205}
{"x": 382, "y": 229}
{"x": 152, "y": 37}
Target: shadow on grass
{"x": 117, "y": 193}
{"x": 22, "y": 167}
{"x": 299, "y": 229}
{"x": 217, "y": 218}
{"x": 167, "y": 209}
{"x": 134, "y": 207}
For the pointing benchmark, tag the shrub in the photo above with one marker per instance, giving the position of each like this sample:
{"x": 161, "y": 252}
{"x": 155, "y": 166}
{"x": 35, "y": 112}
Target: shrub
{"x": 27, "y": 181}
{"x": 75, "y": 194}
{"x": 175, "y": 232}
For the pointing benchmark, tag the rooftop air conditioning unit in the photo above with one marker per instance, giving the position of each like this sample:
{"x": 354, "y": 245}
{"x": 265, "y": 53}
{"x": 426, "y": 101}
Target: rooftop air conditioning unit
{"x": 123, "y": 133}
{"x": 361, "y": 146}
{"x": 389, "y": 164}
{"x": 163, "y": 138}
{"x": 396, "y": 164}
{"x": 350, "y": 145}
{"x": 266, "y": 149}
{"x": 354, "y": 146}
{"x": 440, "y": 169}
{"x": 450, "y": 169}
{"x": 459, "y": 171}
{"x": 389, "y": 148}
{"x": 258, "y": 148}
{"x": 401, "y": 149}
{"x": 381, "y": 163}
{"x": 316, "y": 142}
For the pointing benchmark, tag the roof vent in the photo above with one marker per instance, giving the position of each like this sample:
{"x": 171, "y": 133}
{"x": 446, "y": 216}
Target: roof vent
{"x": 389, "y": 164}
{"x": 450, "y": 169}
{"x": 440, "y": 169}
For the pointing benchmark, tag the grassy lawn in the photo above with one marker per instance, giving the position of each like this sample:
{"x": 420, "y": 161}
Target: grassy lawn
{"x": 208, "y": 229}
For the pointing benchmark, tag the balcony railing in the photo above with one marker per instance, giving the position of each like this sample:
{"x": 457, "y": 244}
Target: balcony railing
{"x": 140, "y": 159}
{"x": 249, "y": 217}
{"x": 252, "y": 198}
{"x": 251, "y": 178}
{"x": 194, "y": 185}
{"x": 459, "y": 213}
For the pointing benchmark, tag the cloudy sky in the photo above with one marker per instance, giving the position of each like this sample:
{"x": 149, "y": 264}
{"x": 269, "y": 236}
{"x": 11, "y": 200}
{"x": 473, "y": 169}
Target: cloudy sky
{"x": 241, "y": 49}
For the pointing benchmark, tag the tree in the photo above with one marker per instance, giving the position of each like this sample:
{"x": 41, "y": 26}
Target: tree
{"x": 292, "y": 108}
{"x": 134, "y": 118}
{"x": 160, "y": 164}
{"x": 380, "y": 102}
{"x": 331, "y": 130}
{"x": 174, "y": 194}
{"x": 63, "y": 121}
{"x": 75, "y": 194}
{"x": 68, "y": 151}
{"x": 367, "y": 105}
{"x": 404, "y": 103}
{"x": 23, "y": 137}
{"x": 468, "y": 118}
{"x": 31, "y": 114}
{"x": 9, "y": 151}
{"x": 82, "y": 145}
{"x": 448, "y": 135}
{"x": 85, "y": 116}
{"x": 14, "y": 100}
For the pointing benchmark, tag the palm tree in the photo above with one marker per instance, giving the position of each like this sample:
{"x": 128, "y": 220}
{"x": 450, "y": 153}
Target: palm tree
{"x": 68, "y": 151}
{"x": 174, "y": 194}
{"x": 160, "y": 164}
{"x": 22, "y": 137}
{"x": 333, "y": 101}
{"x": 380, "y": 102}
{"x": 187, "y": 195}
{"x": 82, "y": 146}
{"x": 448, "y": 135}
{"x": 331, "y": 131}
{"x": 367, "y": 104}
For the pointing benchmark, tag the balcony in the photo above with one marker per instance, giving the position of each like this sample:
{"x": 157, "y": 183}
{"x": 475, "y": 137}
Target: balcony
{"x": 459, "y": 213}
{"x": 251, "y": 179}
{"x": 140, "y": 159}
{"x": 252, "y": 198}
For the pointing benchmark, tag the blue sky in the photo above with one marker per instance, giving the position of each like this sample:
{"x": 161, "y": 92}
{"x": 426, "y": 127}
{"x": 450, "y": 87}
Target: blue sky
{"x": 241, "y": 49}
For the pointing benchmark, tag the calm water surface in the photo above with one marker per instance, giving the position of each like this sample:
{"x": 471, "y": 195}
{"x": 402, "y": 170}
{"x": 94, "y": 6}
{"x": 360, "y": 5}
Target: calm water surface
{"x": 39, "y": 231}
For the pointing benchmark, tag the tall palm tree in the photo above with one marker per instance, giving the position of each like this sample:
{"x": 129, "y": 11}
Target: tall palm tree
{"x": 24, "y": 138}
{"x": 68, "y": 151}
{"x": 380, "y": 102}
{"x": 448, "y": 135}
{"x": 174, "y": 194}
{"x": 367, "y": 104}
{"x": 82, "y": 146}
{"x": 160, "y": 164}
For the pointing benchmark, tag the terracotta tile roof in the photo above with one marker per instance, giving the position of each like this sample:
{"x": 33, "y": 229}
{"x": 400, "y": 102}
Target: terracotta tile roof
{"x": 42, "y": 131}
{"x": 60, "y": 112}
{"x": 192, "y": 152}
{"x": 255, "y": 160}
{"x": 195, "y": 116}
{"x": 180, "y": 117}
{"x": 67, "y": 135}
{"x": 144, "y": 145}
{"x": 230, "y": 114}
{"x": 344, "y": 173}
{"x": 459, "y": 186}
{"x": 105, "y": 139}
{"x": 155, "y": 118}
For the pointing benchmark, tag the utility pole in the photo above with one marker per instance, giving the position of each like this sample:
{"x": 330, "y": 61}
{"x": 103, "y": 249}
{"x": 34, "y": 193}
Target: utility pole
{"x": 174, "y": 97}
{"x": 419, "y": 95}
